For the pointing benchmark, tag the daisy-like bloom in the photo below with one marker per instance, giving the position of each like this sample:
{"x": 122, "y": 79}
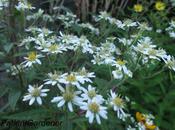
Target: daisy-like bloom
{"x": 170, "y": 62}
{"x": 85, "y": 76}
{"x": 69, "y": 40}
{"x": 152, "y": 54}
{"x": 118, "y": 104}
{"x": 71, "y": 79}
{"x": 35, "y": 94}
{"x": 94, "y": 109}
{"x": 117, "y": 74}
{"x": 144, "y": 45}
{"x": 160, "y": 5}
{"x": 69, "y": 97}
{"x": 129, "y": 23}
{"x": 55, "y": 48}
{"x": 144, "y": 26}
{"x": 138, "y": 8}
{"x": 91, "y": 93}
{"x": 32, "y": 58}
{"x": 162, "y": 53}
{"x": 54, "y": 78}
{"x": 121, "y": 65}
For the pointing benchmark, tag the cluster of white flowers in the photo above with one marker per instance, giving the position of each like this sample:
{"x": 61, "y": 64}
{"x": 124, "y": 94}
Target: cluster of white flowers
{"x": 72, "y": 91}
{"x": 75, "y": 88}
{"x": 148, "y": 50}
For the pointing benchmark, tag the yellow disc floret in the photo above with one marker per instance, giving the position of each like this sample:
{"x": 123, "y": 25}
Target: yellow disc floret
{"x": 94, "y": 107}
{"x": 32, "y": 56}
{"x": 118, "y": 102}
{"x": 71, "y": 78}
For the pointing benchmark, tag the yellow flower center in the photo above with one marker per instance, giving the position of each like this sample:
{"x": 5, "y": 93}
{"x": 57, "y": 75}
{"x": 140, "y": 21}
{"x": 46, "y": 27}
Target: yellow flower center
{"x": 138, "y": 8}
{"x": 68, "y": 96}
{"x": 53, "y": 47}
{"x": 32, "y": 56}
{"x": 118, "y": 102}
{"x": 36, "y": 92}
{"x": 120, "y": 62}
{"x": 54, "y": 77}
{"x": 71, "y": 78}
{"x": 94, "y": 107}
{"x": 91, "y": 93}
{"x": 160, "y": 5}
{"x": 152, "y": 52}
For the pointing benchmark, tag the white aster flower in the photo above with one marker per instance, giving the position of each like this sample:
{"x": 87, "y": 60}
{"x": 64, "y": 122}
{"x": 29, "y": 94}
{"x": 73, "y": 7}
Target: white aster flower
{"x": 144, "y": 26}
{"x": 90, "y": 93}
{"x": 71, "y": 79}
{"x": 121, "y": 65}
{"x": 54, "y": 48}
{"x": 32, "y": 58}
{"x": 152, "y": 54}
{"x": 118, "y": 104}
{"x": 69, "y": 97}
{"x": 144, "y": 45}
{"x": 170, "y": 62}
{"x": 94, "y": 109}
{"x": 85, "y": 76}
{"x": 54, "y": 78}
{"x": 129, "y": 23}
{"x": 35, "y": 93}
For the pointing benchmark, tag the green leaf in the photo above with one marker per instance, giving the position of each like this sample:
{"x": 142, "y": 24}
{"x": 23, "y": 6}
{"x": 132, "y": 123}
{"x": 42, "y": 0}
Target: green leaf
{"x": 14, "y": 95}
{"x": 8, "y": 47}
{"x": 3, "y": 90}
{"x": 34, "y": 114}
